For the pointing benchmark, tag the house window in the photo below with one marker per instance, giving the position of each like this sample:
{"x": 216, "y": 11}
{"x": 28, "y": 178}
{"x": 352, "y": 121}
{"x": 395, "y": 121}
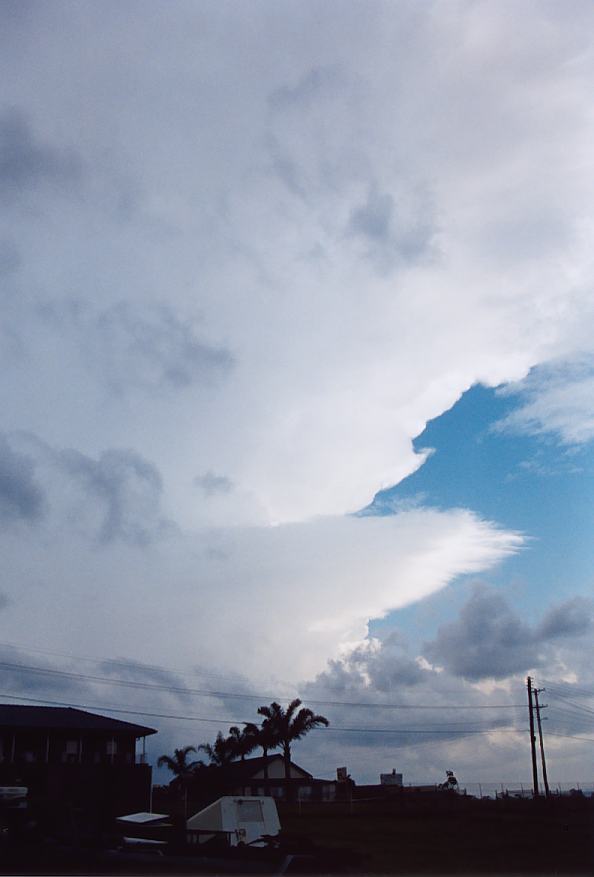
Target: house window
{"x": 70, "y": 754}
{"x": 111, "y": 747}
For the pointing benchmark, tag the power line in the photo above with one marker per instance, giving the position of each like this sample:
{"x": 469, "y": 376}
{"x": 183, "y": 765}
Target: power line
{"x": 128, "y": 665}
{"x": 576, "y": 706}
{"x": 239, "y": 721}
{"x": 137, "y": 665}
{"x": 569, "y": 688}
{"x": 237, "y": 695}
{"x": 561, "y": 713}
{"x": 571, "y": 736}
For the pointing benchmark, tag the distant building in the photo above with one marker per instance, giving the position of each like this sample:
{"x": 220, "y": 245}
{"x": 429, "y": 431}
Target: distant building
{"x": 391, "y": 779}
{"x": 73, "y": 762}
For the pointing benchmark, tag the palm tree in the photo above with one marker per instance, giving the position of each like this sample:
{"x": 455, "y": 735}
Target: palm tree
{"x": 243, "y": 741}
{"x": 288, "y": 726}
{"x": 179, "y": 764}
{"x": 182, "y": 768}
{"x": 221, "y": 752}
{"x": 267, "y": 739}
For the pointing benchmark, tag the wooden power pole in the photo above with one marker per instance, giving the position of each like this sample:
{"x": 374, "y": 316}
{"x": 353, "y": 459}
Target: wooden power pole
{"x": 542, "y": 752}
{"x": 532, "y": 738}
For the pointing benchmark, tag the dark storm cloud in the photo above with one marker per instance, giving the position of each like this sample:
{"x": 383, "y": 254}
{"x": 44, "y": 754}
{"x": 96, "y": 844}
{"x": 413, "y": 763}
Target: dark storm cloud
{"x": 149, "y": 675}
{"x": 572, "y": 618}
{"x": 384, "y": 673}
{"x": 126, "y": 487}
{"x": 387, "y": 669}
{"x": 26, "y": 161}
{"x": 21, "y": 497}
{"x": 29, "y": 674}
{"x": 489, "y": 641}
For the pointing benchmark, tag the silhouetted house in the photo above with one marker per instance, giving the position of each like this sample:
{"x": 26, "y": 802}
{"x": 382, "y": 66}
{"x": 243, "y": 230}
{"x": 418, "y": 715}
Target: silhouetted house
{"x": 74, "y": 763}
{"x": 248, "y": 777}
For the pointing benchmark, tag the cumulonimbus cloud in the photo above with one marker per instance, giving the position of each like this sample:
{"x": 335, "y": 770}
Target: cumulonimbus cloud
{"x": 277, "y": 277}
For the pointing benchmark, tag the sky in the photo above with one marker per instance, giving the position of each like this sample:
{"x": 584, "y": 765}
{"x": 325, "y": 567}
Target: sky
{"x": 297, "y": 371}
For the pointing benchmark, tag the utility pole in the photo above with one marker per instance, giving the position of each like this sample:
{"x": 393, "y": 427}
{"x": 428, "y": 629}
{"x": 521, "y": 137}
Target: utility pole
{"x": 542, "y": 752}
{"x": 532, "y": 738}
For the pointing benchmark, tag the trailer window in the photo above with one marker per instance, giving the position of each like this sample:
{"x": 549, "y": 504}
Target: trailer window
{"x": 250, "y": 811}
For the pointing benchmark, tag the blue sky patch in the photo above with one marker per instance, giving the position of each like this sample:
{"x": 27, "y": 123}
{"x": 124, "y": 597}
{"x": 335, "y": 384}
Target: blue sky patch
{"x": 522, "y": 482}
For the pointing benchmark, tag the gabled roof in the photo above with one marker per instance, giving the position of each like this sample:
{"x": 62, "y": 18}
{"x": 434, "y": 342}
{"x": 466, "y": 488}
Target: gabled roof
{"x": 242, "y": 771}
{"x": 67, "y": 719}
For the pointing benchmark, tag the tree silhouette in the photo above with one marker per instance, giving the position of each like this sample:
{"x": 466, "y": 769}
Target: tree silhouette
{"x": 221, "y": 752}
{"x": 179, "y": 764}
{"x": 183, "y": 769}
{"x": 243, "y": 741}
{"x": 267, "y": 739}
{"x": 289, "y": 725}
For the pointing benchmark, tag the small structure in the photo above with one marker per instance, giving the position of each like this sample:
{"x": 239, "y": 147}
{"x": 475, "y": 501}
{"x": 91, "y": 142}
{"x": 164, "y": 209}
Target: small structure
{"x": 391, "y": 779}
{"x": 235, "y": 821}
{"x": 142, "y": 819}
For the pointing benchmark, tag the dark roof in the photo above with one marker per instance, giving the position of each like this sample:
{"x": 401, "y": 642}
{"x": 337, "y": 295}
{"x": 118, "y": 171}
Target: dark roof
{"x": 65, "y": 718}
{"x": 238, "y": 771}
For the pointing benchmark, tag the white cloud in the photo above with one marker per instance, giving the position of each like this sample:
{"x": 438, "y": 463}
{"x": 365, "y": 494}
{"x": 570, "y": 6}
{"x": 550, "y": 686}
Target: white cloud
{"x": 336, "y": 366}
{"x": 239, "y": 596}
{"x": 309, "y": 229}
{"x": 555, "y": 400}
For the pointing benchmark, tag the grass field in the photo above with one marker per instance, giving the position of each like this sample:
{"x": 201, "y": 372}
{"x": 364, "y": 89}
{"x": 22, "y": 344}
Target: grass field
{"x": 511, "y": 837}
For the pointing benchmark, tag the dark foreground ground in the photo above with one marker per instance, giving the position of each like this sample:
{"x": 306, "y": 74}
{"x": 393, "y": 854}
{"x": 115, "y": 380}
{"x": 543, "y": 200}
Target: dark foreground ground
{"x": 462, "y": 836}
{"x": 472, "y": 837}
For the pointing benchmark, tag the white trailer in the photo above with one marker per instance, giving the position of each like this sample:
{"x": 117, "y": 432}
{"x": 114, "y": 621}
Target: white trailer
{"x": 236, "y": 820}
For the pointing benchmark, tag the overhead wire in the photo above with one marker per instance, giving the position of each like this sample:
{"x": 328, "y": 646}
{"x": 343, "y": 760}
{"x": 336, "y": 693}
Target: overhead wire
{"x": 220, "y": 721}
{"x": 137, "y": 665}
{"x": 240, "y": 695}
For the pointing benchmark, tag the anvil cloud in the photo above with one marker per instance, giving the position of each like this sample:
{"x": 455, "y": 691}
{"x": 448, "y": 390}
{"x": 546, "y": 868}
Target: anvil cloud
{"x": 246, "y": 253}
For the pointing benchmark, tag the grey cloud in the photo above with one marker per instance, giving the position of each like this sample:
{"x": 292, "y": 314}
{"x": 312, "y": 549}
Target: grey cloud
{"x": 10, "y": 258}
{"x": 213, "y": 484}
{"x": 489, "y": 641}
{"x": 393, "y": 230}
{"x": 573, "y": 618}
{"x": 135, "y": 671}
{"x": 153, "y": 347}
{"x": 386, "y": 668}
{"x": 26, "y": 161}
{"x": 21, "y": 497}
{"x": 4, "y": 601}
{"x": 384, "y": 673}
{"x": 373, "y": 219}
{"x": 307, "y": 88}
{"x": 127, "y": 487}
{"x": 26, "y": 674}
{"x": 157, "y": 346}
